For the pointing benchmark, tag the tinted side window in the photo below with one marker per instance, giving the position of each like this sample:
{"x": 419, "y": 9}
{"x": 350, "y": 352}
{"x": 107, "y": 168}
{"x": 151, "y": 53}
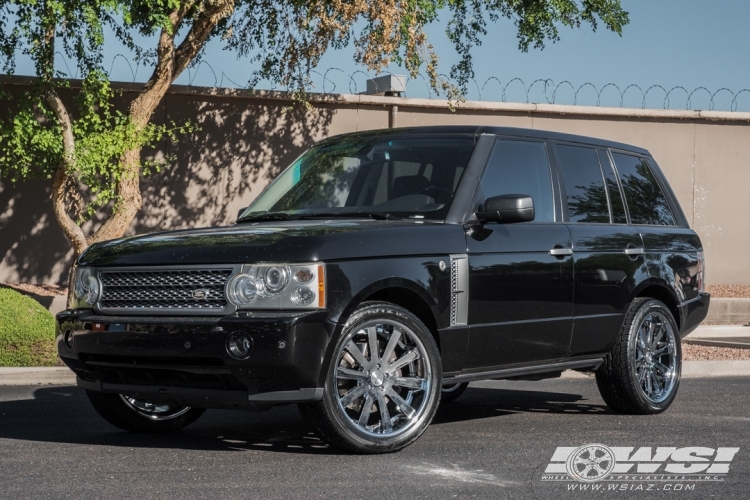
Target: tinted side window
{"x": 646, "y": 202}
{"x": 521, "y": 167}
{"x": 615, "y": 196}
{"x": 584, "y": 184}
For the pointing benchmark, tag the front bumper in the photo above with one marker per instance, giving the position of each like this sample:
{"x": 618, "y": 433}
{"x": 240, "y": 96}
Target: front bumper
{"x": 184, "y": 360}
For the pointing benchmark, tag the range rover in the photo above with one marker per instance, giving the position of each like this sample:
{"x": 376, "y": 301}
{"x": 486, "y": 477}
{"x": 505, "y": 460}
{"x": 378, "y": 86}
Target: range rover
{"x": 384, "y": 271}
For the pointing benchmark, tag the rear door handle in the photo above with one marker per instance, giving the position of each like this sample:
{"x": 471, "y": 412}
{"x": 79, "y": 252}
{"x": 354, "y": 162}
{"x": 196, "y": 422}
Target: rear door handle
{"x": 560, "y": 251}
{"x": 634, "y": 251}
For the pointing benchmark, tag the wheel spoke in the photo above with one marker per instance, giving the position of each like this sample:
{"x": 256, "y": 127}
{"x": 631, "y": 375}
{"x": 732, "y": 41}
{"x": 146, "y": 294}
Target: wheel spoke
{"x": 659, "y": 335}
{"x": 662, "y": 368}
{"x": 353, "y": 349}
{"x": 403, "y": 361}
{"x": 352, "y": 395}
{"x": 392, "y": 343}
{"x": 372, "y": 335}
{"x": 650, "y": 333}
{"x": 385, "y": 417}
{"x": 667, "y": 348}
{"x": 409, "y": 382}
{"x": 364, "y": 415}
{"x": 349, "y": 374}
{"x": 403, "y": 406}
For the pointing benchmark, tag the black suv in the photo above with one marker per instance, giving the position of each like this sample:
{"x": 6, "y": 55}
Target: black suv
{"x": 383, "y": 271}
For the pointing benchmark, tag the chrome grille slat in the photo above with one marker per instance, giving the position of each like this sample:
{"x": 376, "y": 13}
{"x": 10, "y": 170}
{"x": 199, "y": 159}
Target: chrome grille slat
{"x": 164, "y": 290}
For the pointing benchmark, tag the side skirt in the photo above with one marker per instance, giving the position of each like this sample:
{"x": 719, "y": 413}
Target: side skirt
{"x": 578, "y": 364}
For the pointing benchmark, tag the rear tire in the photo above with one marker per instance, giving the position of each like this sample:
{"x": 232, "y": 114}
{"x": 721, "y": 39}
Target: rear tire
{"x": 136, "y": 416}
{"x": 452, "y": 392}
{"x": 641, "y": 374}
{"x": 383, "y": 385}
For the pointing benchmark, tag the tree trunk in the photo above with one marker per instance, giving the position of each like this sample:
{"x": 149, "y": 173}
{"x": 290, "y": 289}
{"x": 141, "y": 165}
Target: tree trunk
{"x": 171, "y": 62}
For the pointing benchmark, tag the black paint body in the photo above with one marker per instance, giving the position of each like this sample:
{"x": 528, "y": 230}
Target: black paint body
{"x": 529, "y": 312}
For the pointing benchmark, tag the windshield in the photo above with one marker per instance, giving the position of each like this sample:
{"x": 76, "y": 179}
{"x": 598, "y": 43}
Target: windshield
{"x": 386, "y": 176}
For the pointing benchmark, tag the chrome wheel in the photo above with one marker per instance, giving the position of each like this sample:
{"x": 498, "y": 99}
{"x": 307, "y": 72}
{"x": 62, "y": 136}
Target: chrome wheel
{"x": 656, "y": 361}
{"x": 154, "y": 411}
{"x": 383, "y": 379}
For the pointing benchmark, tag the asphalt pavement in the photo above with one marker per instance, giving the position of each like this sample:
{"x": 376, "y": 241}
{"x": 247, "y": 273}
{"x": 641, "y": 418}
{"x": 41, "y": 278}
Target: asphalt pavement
{"x": 496, "y": 441}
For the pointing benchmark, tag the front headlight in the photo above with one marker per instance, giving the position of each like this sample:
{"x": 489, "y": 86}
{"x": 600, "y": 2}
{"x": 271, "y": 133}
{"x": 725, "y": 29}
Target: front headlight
{"x": 279, "y": 286}
{"x": 86, "y": 287}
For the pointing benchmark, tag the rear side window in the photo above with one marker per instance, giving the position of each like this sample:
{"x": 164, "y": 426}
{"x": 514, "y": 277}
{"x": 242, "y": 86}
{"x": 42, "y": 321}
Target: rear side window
{"x": 521, "y": 167}
{"x": 646, "y": 201}
{"x": 584, "y": 184}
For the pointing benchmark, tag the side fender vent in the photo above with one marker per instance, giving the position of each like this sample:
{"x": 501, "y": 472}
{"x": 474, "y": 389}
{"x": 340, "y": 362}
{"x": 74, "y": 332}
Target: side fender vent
{"x": 459, "y": 290}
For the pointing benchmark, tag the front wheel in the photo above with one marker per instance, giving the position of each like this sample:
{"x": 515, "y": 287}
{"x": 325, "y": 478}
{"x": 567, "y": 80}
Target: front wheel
{"x": 134, "y": 415}
{"x": 383, "y": 385}
{"x": 642, "y": 372}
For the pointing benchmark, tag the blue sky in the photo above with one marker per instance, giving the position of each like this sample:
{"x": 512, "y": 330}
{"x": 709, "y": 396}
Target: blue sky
{"x": 687, "y": 43}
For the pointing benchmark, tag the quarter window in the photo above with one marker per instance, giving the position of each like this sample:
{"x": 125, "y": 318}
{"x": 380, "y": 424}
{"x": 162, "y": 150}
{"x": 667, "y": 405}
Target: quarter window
{"x": 646, "y": 201}
{"x": 584, "y": 184}
{"x": 615, "y": 196}
{"x": 521, "y": 167}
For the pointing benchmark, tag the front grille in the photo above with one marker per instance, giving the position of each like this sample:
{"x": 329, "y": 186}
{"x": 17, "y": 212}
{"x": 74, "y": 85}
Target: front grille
{"x": 198, "y": 289}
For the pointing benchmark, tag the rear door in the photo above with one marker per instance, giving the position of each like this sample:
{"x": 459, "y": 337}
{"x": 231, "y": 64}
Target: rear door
{"x": 520, "y": 300}
{"x": 608, "y": 250}
{"x": 671, "y": 246}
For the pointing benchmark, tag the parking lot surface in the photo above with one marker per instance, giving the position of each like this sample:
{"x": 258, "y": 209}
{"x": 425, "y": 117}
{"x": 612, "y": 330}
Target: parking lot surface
{"x": 496, "y": 441}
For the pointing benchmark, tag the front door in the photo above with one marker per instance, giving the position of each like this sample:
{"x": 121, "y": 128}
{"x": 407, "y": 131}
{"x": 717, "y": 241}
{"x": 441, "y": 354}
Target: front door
{"x": 520, "y": 294}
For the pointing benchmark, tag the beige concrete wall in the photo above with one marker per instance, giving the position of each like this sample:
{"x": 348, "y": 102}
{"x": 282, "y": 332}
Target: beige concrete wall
{"x": 246, "y": 139}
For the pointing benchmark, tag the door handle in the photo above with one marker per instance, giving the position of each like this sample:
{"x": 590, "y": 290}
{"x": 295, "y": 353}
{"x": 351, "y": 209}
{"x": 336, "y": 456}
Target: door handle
{"x": 634, "y": 251}
{"x": 559, "y": 251}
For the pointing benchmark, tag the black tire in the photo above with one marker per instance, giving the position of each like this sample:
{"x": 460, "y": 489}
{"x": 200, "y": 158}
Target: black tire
{"x": 340, "y": 419}
{"x": 618, "y": 377}
{"x": 115, "y": 410}
{"x": 452, "y": 392}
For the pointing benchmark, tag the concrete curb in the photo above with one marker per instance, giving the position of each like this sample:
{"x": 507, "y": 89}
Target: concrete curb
{"x": 60, "y": 375}
{"x": 719, "y": 331}
{"x": 696, "y": 369}
{"x": 56, "y": 375}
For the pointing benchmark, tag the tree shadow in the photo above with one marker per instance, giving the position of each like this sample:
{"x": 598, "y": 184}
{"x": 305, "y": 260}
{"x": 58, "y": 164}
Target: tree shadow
{"x": 243, "y": 143}
{"x": 241, "y": 146}
{"x": 62, "y": 414}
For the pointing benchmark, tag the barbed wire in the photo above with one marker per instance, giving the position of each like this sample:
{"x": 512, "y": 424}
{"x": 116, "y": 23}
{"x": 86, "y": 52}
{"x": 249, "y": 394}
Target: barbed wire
{"x": 336, "y": 80}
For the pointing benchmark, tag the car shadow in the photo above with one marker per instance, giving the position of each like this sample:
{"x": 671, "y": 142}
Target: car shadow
{"x": 477, "y": 403}
{"x": 62, "y": 414}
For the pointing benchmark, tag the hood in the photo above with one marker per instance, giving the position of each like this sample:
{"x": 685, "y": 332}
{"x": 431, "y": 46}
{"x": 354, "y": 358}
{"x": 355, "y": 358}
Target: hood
{"x": 285, "y": 241}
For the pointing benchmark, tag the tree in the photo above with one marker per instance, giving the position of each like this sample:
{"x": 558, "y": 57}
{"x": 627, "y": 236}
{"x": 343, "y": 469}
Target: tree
{"x": 92, "y": 153}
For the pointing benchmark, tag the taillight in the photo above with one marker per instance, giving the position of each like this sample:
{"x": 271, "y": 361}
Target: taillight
{"x": 701, "y": 276}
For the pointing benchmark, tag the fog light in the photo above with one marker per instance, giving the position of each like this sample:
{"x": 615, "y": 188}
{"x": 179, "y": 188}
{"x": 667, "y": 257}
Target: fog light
{"x": 69, "y": 340}
{"x": 239, "y": 345}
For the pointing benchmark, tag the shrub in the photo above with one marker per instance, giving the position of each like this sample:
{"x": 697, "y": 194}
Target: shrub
{"x": 27, "y": 331}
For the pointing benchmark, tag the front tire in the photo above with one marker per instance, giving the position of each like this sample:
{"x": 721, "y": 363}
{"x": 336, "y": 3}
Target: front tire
{"x": 641, "y": 374}
{"x": 133, "y": 415}
{"x": 383, "y": 385}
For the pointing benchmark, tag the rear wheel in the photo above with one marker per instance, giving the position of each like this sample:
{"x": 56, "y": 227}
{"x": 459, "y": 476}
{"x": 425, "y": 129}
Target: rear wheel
{"x": 383, "y": 385}
{"x": 642, "y": 372}
{"x": 134, "y": 415}
{"x": 452, "y": 392}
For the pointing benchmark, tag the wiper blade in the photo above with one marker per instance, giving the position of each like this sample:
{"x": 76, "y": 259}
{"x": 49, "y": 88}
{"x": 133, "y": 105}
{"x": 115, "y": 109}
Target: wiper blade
{"x": 347, "y": 215}
{"x": 263, "y": 216}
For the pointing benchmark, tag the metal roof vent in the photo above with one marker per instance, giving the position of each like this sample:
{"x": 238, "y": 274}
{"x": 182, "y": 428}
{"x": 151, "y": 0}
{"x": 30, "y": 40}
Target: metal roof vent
{"x": 388, "y": 85}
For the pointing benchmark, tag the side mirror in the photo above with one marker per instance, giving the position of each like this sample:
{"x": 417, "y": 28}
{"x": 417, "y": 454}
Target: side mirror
{"x": 507, "y": 208}
{"x": 239, "y": 214}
